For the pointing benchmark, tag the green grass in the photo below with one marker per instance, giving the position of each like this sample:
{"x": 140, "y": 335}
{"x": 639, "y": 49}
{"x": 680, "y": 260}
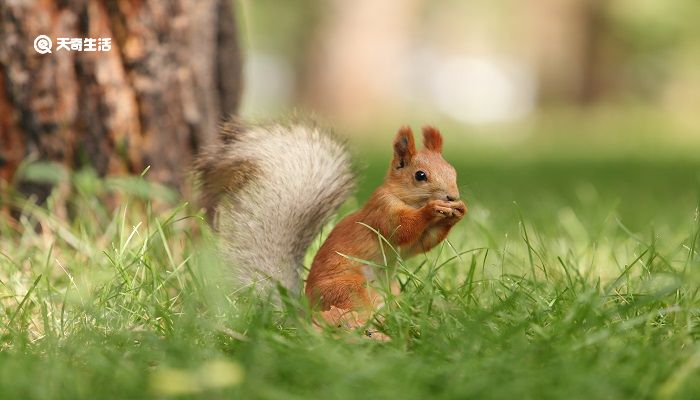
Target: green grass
{"x": 571, "y": 277}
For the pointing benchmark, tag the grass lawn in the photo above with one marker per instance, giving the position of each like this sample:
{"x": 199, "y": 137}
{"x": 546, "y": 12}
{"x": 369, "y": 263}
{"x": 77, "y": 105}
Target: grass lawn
{"x": 572, "y": 276}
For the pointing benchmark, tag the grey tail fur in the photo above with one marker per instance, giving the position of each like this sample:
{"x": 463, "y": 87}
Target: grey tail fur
{"x": 272, "y": 187}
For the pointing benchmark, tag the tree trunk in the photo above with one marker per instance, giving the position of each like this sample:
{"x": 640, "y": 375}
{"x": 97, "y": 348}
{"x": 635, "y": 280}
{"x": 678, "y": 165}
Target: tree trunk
{"x": 172, "y": 72}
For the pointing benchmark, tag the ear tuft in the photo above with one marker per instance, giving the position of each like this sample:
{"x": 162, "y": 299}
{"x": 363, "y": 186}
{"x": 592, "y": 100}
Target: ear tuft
{"x": 404, "y": 147}
{"x": 432, "y": 139}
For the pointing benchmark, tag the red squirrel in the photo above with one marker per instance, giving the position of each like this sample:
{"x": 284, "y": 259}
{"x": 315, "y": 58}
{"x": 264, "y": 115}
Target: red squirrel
{"x": 272, "y": 187}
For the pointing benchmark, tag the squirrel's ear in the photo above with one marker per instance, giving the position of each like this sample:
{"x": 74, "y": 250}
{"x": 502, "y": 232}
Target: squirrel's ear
{"x": 432, "y": 139}
{"x": 404, "y": 147}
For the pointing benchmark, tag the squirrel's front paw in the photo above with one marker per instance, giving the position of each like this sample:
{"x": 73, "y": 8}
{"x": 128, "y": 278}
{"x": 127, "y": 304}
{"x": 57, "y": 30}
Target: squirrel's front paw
{"x": 439, "y": 209}
{"x": 448, "y": 211}
{"x": 458, "y": 208}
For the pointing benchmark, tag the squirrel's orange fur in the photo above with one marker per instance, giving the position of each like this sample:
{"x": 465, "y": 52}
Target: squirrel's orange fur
{"x": 413, "y": 215}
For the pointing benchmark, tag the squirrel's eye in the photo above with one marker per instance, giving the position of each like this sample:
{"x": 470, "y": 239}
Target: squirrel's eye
{"x": 421, "y": 176}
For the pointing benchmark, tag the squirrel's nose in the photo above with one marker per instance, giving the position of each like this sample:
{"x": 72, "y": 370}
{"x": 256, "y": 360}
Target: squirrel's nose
{"x": 452, "y": 197}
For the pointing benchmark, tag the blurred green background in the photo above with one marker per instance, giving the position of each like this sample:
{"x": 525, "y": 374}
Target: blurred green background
{"x": 476, "y": 63}
{"x": 552, "y": 105}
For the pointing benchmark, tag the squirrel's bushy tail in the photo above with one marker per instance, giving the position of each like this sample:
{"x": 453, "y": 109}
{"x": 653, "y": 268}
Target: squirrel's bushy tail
{"x": 272, "y": 188}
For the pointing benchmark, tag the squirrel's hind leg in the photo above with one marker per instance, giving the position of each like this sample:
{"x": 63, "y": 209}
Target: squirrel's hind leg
{"x": 348, "y": 304}
{"x": 351, "y": 320}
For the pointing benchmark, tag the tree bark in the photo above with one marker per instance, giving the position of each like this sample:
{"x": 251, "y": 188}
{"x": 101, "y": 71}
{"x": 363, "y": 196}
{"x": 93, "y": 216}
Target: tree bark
{"x": 174, "y": 69}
